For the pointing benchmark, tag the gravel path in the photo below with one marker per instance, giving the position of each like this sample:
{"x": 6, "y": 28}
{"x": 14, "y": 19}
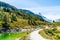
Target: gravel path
{"x": 35, "y": 36}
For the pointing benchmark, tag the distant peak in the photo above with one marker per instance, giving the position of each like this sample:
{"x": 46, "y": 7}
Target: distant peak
{"x": 6, "y": 5}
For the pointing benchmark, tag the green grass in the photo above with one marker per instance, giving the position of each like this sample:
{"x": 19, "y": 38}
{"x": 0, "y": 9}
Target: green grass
{"x": 50, "y": 34}
{"x": 42, "y": 33}
{"x": 11, "y": 36}
{"x": 56, "y": 23}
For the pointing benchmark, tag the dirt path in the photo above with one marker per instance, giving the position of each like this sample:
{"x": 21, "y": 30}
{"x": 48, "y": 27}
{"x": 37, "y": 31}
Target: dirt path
{"x": 35, "y": 36}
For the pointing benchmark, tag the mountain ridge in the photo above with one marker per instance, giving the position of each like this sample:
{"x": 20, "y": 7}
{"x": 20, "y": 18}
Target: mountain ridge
{"x": 11, "y": 17}
{"x": 45, "y": 18}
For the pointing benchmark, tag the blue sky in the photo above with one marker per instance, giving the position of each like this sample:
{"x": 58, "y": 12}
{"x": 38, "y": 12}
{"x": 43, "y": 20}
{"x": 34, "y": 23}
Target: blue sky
{"x": 48, "y": 8}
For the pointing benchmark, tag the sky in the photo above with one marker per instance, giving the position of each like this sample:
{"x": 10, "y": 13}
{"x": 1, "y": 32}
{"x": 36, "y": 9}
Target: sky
{"x": 48, "y": 8}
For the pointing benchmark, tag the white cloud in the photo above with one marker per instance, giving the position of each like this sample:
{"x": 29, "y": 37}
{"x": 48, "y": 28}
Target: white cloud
{"x": 52, "y": 12}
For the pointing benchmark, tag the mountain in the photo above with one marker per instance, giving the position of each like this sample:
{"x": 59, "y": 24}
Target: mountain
{"x": 32, "y": 14}
{"x": 46, "y": 19}
{"x": 6, "y": 5}
{"x": 27, "y": 11}
{"x": 11, "y": 17}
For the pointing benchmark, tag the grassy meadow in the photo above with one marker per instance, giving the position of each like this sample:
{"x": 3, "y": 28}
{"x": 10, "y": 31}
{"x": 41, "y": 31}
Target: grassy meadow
{"x": 12, "y": 36}
{"x": 52, "y": 33}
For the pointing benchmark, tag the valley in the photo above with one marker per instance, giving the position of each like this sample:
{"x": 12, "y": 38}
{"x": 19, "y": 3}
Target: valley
{"x": 22, "y": 24}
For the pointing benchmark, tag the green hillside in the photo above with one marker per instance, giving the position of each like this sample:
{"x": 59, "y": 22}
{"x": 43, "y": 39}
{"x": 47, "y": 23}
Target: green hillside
{"x": 11, "y": 17}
